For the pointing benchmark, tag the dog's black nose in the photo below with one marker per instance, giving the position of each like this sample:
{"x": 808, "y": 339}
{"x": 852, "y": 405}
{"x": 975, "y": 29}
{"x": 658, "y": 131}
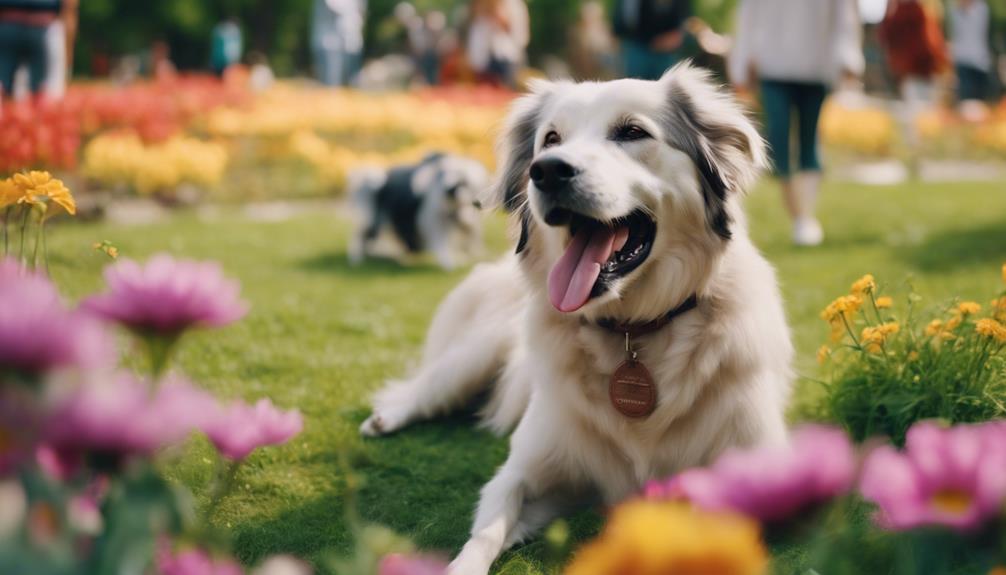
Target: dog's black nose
{"x": 552, "y": 174}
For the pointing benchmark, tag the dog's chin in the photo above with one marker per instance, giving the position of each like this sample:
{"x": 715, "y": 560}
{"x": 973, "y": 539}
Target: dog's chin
{"x": 599, "y": 257}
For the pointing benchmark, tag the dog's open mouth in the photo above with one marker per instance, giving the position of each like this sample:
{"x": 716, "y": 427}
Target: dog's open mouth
{"x": 598, "y": 254}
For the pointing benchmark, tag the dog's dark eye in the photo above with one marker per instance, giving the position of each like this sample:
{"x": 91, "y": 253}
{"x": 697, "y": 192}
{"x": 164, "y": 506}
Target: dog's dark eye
{"x": 629, "y": 133}
{"x": 552, "y": 139}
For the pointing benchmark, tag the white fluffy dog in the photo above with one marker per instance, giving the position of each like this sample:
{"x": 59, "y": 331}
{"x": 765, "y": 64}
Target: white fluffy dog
{"x": 637, "y": 331}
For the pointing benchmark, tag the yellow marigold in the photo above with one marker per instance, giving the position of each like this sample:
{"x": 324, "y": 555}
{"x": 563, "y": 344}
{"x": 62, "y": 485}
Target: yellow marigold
{"x": 969, "y": 307}
{"x": 40, "y": 188}
{"x": 953, "y": 323}
{"x": 9, "y": 193}
{"x": 991, "y": 328}
{"x": 999, "y": 308}
{"x": 934, "y": 327}
{"x": 864, "y": 285}
{"x": 845, "y": 305}
{"x": 998, "y": 571}
{"x": 823, "y": 353}
{"x": 885, "y": 302}
{"x": 873, "y": 338}
{"x": 659, "y": 538}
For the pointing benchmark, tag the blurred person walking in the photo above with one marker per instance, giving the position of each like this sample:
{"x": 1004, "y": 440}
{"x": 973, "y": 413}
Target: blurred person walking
{"x": 591, "y": 44}
{"x": 915, "y": 49}
{"x": 651, "y": 33}
{"x": 497, "y": 40}
{"x": 59, "y": 45}
{"x": 794, "y": 50}
{"x": 916, "y": 54}
{"x": 226, "y": 46}
{"x": 24, "y": 25}
{"x": 337, "y": 40}
{"x": 972, "y": 54}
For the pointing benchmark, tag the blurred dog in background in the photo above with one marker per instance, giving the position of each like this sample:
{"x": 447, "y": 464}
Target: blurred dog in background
{"x": 429, "y": 206}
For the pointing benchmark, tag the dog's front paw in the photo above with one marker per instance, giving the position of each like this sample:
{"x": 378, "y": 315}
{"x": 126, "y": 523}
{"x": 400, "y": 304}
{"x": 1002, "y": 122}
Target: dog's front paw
{"x": 373, "y": 426}
{"x": 468, "y": 564}
{"x": 383, "y": 422}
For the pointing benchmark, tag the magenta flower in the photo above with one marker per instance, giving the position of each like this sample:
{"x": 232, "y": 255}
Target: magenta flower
{"x": 955, "y": 477}
{"x": 242, "y": 428}
{"x": 59, "y": 466}
{"x": 398, "y": 564}
{"x": 194, "y": 562}
{"x": 38, "y": 334}
{"x": 769, "y": 484}
{"x": 168, "y": 296}
{"x": 121, "y": 415}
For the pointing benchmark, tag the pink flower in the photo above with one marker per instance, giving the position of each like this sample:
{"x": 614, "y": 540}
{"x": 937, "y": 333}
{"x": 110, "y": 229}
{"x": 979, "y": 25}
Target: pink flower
{"x": 168, "y": 296}
{"x": 241, "y": 428}
{"x": 769, "y": 484}
{"x": 121, "y": 415}
{"x": 194, "y": 562}
{"x": 38, "y": 334}
{"x": 954, "y": 477}
{"x": 398, "y": 564}
{"x": 59, "y": 466}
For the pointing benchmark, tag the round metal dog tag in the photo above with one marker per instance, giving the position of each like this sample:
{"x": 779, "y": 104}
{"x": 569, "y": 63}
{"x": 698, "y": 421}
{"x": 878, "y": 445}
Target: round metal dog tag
{"x": 631, "y": 389}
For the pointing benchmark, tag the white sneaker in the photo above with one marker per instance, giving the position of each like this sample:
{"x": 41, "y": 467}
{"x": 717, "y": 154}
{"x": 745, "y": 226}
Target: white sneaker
{"x": 807, "y": 232}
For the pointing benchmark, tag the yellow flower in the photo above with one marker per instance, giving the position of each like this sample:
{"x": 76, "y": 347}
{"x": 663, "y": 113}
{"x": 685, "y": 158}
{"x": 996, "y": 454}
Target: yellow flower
{"x": 999, "y": 308}
{"x": 9, "y": 193}
{"x": 969, "y": 307}
{"x": 912, "y": 356}
{"x": 934, "y": 327}
{"x": 884, "y": 302}
{"x": 953, "y": 323}
{"x": 873, "y": 338}
{"x": 823, "y": 353}
{"x": 864, "y": 285}
{"x": 660, "y": 538}
{"x": 844, "y": 306}
{"x": 992, "y": 329}
{"x": 40, "y": 188}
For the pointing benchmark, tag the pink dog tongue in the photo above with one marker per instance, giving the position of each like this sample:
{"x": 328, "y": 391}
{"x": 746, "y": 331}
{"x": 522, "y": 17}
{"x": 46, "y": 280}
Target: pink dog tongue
{"x": 573, "y": 277}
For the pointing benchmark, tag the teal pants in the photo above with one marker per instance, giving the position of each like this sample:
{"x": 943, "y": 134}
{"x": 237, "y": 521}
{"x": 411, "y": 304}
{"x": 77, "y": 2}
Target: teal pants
{"x": 783, "y": 101}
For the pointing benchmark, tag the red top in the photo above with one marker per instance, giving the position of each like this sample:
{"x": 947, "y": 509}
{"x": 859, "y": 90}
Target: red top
{"x": 913, "y": 40}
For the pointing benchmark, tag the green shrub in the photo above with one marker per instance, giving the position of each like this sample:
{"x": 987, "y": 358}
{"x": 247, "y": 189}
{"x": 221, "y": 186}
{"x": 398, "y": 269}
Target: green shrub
{"x": 889, "y": 370}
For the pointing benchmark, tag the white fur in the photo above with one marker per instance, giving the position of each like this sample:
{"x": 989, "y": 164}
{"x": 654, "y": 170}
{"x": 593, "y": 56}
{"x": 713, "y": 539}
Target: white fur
{"x": 448, "y": 227}
{"x": 722, "y": 371}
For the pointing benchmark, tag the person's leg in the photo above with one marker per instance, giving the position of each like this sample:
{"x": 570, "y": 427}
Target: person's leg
{"x": 634, "y": 59}
{"x": 36, "y": 56}
{"x": 964, "y": 87}
{"x": 807, "y": 183}
{"x": 660, "y": 62}
{"x": 777, "y": 105}
{"x": 8, "y": 56}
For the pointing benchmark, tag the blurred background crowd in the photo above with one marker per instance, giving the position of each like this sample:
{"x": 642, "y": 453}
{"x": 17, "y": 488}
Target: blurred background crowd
{"x": 909, "y": 78}
{"x": 918, "y": 49}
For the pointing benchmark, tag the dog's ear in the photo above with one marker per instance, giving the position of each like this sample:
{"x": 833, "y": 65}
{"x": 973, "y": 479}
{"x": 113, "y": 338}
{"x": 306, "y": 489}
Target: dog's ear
{"x": 515, "y": 149}
{"x": 711, "y": 127}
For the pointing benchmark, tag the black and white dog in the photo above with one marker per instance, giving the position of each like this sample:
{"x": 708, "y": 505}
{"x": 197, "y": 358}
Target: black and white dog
{"x": 430, "y": 206}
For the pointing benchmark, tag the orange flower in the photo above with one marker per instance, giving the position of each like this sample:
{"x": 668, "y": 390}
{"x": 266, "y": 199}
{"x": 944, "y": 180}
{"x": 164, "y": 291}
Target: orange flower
{"x": 661, "y": 538}
{"x": 9, "y": 193}
{"x": 41, "y": 189}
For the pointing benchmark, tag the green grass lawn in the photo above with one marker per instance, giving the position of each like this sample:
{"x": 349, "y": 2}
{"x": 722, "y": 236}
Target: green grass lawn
{"x": 322, "y": 336}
